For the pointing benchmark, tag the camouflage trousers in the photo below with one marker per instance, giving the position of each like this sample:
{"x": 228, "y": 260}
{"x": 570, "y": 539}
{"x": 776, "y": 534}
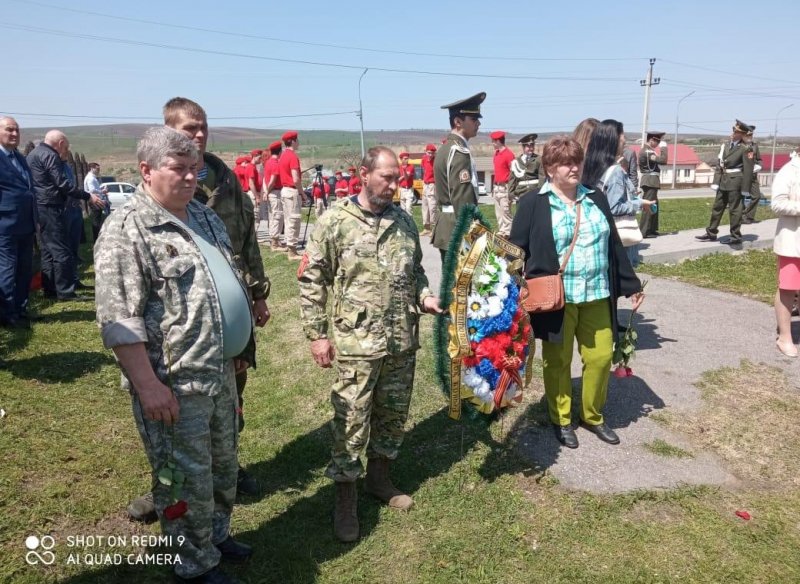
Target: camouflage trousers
{"x": 370, "y": 402}
{"x": 203, "y": 444}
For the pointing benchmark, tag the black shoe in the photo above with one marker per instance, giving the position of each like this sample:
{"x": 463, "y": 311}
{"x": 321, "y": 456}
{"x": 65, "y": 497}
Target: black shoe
{"x": 706, "y": 237}
{"x": 246, "y": 484}
{"x": 603, "y": 432}
{"x": 82, "y": 286}
{"x": 213, "y": 576}
{"x": 234, "y": 551}
{"x": 566, "y": 435}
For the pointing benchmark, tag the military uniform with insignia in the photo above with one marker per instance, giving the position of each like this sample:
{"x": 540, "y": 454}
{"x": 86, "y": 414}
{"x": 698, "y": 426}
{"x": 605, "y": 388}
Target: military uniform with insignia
{"x": 650, "y": 182}
{"x": 454, "y": 173}
{"x": 526, "y": 170}
{"x": 749, "y": 214}
{"x": 735, "y": 170}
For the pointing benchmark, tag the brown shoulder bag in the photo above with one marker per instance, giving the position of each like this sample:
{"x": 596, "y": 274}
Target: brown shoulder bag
{"x": 546, "y": 293}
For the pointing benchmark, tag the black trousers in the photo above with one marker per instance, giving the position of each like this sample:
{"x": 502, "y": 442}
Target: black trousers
{"x": 16, "y": 260}
{"x": 755, "y": 197}
{"x": 648, "y": 221}
{"x": 58, "y": 260}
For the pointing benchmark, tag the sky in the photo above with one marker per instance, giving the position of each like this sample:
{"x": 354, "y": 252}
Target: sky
{"x": 296, "y": 64}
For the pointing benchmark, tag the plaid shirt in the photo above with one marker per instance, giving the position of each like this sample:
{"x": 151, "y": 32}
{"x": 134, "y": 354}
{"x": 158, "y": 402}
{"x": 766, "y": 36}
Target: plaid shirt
{"x": 586, "y": 274}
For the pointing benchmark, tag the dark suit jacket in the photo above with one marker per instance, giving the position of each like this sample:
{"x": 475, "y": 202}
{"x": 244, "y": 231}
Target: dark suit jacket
{"x": 532, "y": 230}
{"x": 17, "y": 199}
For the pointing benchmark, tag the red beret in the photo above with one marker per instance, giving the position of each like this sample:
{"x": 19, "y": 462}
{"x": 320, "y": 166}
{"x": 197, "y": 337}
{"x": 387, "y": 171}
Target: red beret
{"x": 404, "y": 155}
{"x": 338, "y": 173}
{"x": 255, "y": 153}
{"x": 239, "y": 160}
{"x": 430, "y": 148}
{"x": 275, "y": 146}
{"x": 247, "y": 157}
{"x": 290, "y": 135}
{"x": 351, "y": 169}
{"x": 498, "y": 135}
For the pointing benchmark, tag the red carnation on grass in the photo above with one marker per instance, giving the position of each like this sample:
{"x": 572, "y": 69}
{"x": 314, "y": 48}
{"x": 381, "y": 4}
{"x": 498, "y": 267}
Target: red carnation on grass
{"x": 620, "y": 372}
{"x": 176, "y": 510}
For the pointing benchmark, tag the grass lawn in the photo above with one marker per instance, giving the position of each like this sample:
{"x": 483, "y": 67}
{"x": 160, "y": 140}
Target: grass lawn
{"x": 682, "y": 214}
{"x": 72, "y": 460}
{"x": 752, "y": 274}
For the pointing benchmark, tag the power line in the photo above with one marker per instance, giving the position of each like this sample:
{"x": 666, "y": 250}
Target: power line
{"x": 734, "y": 73}
{"x": 150, "y": 118}
{"x": 321, "y": 45}
{"x": 296, "y": 61}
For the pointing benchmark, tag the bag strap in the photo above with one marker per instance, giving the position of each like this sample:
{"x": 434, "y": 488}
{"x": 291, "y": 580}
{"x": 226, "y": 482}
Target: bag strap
{"x": 574, "y": 237}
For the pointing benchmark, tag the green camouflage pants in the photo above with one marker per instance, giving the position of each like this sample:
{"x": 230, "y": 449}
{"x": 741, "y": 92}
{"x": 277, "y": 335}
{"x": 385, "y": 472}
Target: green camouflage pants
{"x": 370, "y": 402}
{"x": 203, "y": 444}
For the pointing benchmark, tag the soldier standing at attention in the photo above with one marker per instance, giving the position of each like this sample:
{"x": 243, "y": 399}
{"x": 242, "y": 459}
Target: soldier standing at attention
{"x": 503, "y": 157}
{"x": 649, "y": 167}
{"x": 454, "y": 170}
{"x": 365, "y": 256}
{"x": 406, "y": 184}
{"x": 254, "y": 183}
{"x": 272, "y": 190}
{"x": 429, "y": 210}
{"x": 526, "y": 169}
{"x": 292, "y": 194}
{"x": 736, "y": 168}
{"x": 354, "y": 184}
{"x": 749, "y": 214}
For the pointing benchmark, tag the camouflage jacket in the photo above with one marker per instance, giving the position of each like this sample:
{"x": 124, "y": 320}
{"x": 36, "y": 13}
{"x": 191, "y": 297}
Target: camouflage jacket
{"x": 236, "y": 211}
{"x": 370, "y": 267}
{"x": 154, "y": 287}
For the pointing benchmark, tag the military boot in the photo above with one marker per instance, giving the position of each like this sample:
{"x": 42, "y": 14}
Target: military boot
{"x": 277, "y": 245}
{"x": 143, "y": 509}
{"x": 379, "y": 484}
{"x": 292, "y": 254}
{"x": 345, "y": 514}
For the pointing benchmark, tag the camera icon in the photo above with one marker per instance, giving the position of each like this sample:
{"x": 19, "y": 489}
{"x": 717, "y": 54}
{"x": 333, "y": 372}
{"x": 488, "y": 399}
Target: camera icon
{"x": 34, "y": 544}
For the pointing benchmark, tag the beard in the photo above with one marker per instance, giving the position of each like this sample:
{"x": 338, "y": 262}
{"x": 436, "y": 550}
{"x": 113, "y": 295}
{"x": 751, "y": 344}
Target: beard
{"x": 379, "y": 200}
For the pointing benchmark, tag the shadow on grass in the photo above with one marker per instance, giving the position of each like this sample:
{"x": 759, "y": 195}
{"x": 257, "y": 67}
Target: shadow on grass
{"x": 85, "y": 315}
{"x": 59, "y": 367}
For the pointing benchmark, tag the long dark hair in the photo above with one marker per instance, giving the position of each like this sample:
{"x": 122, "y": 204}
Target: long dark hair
{"x": 602, "y": 151}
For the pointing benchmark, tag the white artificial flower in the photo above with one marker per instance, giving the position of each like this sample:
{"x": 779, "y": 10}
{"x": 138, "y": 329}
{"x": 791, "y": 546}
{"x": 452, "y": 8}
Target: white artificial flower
{"x": 494, "y": 306}
{"x": 478, "y": 385}
{"x": 476, "y": 306}
{"x": 485, "y": 278}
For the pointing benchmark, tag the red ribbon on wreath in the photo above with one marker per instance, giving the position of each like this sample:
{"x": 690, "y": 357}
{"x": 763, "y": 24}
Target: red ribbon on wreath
{"x": 509, "y": 374}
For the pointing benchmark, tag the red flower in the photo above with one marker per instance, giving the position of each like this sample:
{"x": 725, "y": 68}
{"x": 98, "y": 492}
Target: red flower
{"x": 628, "y": 372}
{"x": 620, "y": 372}
{"x": 744, "y": 515}
{"x": 176, "y": 510}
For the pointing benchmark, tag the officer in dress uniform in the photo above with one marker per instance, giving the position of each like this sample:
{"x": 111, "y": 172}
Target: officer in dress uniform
{"x": 454, "y": 171}
{"x": 735, "y": 173}
{"x": 526, "y": 168}
{"x": 749, "y": 214}
{"x": 650, "y": 169}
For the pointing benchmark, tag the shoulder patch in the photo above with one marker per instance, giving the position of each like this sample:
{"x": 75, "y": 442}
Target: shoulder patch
{"x": 464, "y": 177}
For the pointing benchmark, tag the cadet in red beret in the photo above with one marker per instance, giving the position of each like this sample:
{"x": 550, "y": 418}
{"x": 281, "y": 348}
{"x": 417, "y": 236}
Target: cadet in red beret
{"x": 342, "y": 189}
{"x": 253, "y": 184}
{"x": 240, "y": 170}
{"x": 429, "y": 211}
{"x": 272, "y": 191}
{"x": 406, "y": 183}
{"x": 503, "y": 157}
{"x": 292, "y": 192}
{"x": 354, "y": 185}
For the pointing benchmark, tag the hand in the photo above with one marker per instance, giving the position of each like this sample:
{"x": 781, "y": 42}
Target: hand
{"x": 662, "y": 144}
{"x": 260, "y": 312}
{"x": 158, "y": 402}
{"x": 240, "y": 365}
{"x": 96, "y": 202}
{"x": 714, "y": 187}
{"x": 431, "y": 305}
{"x": 323, "y": 352}
{"x": 636, "y": 300}
{"x": 646, "y": 203}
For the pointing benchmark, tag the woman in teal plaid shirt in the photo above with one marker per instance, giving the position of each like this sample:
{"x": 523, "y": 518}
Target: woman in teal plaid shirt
{"x": 597, "y": 274}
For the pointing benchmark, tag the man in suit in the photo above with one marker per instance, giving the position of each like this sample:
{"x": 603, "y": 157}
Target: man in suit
{"x": 749, "y": 213}
{"x": 17, "y": 228}
{"x": 453, "y": 169}
{"x": 736, "y": 168}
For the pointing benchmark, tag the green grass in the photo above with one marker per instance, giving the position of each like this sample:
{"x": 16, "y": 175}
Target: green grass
{"x": 752, "y": 274}
{"x": 682, "y": 214}
{"x": 663, "y": 448}
{"x": 72, "y": 460}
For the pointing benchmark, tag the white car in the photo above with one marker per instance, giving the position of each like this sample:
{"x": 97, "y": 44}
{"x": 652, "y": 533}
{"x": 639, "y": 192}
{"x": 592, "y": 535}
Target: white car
{"x": 118, "y": 193}
{"x": 481, "y": 189}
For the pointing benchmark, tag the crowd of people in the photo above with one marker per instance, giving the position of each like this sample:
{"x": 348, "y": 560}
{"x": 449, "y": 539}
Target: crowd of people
{"x": 179, "y": 307}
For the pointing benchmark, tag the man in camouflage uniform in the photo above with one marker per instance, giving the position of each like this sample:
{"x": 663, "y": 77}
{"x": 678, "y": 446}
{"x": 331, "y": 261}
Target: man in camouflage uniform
{"x": 454, "y": 170}
{"x": 526, "y": 169}
{"x": 749, "y": 214}
{"x": 735, "y": 174}
{"x": 173, "y": 307}
{"x": 650, "y": 169}
{"x": 365, "y": 253}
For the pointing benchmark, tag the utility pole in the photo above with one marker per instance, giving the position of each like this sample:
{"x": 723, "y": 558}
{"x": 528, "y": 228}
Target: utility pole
{"x": 675, "y": 153}
{"x": 361, "y": 112}
{"x": 647, "y": 83}
{"x": 774, "y": 141}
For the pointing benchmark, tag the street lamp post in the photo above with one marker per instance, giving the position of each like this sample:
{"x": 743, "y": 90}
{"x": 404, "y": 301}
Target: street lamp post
{"x": 675, "y": 153}
{"x": 361, "y": 112}
{"x": 774, "y": 140}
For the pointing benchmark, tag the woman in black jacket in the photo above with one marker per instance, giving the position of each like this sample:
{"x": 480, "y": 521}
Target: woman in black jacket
{"x": 597, "y": 274}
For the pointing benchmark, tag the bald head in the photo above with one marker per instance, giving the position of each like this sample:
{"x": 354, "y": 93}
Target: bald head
{"x": 9, "y": 133}
{"x": 58, "y": 141}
